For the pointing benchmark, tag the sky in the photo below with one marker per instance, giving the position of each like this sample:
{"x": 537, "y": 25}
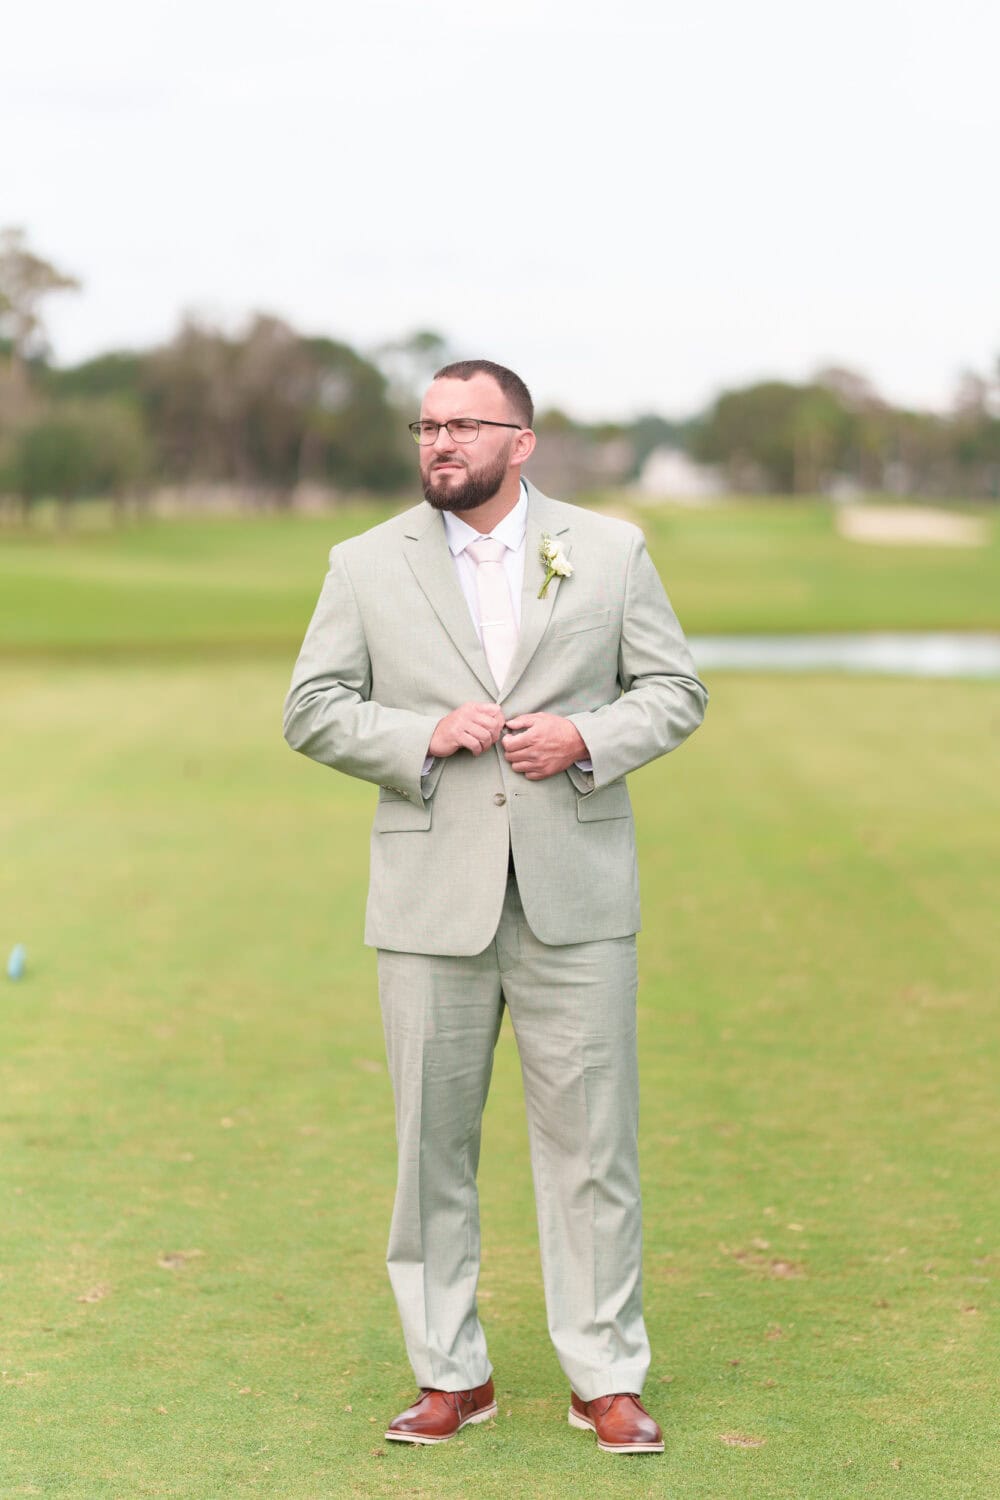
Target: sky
{"x": 634, "y": 204}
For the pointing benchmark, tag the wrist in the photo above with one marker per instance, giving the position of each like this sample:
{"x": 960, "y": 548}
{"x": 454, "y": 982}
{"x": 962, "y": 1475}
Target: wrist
{"x": 579, "y": 748}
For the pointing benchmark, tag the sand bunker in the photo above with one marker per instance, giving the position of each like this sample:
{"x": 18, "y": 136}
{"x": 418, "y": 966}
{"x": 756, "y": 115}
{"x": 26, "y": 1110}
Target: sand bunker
{"x": 910, "y": 525}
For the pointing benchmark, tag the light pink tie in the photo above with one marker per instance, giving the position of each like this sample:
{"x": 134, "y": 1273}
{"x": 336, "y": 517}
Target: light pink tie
{"x": 496, "y": 611}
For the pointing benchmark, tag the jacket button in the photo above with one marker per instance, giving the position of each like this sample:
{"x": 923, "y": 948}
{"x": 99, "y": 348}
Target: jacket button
{"x": 499, "y": 799}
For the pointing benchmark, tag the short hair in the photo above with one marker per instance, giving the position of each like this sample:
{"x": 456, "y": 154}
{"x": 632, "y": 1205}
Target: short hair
{"x": 512, "y": 385}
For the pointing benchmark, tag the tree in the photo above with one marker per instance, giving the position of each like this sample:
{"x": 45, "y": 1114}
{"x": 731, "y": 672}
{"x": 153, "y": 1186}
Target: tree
{"x": 269, "y": 409}
{"x": 853, "y": 390}
{"x": 116, "y": 374}
{"x": 25, "y": 281}
{"x": 784, "y": 437}
{"x": 357, "y": 437}
{"x": 78, "y": 450}
{"x": 409, "y": 364}
{"x": 976, "y": 435}
{"x": 187, "y": 391}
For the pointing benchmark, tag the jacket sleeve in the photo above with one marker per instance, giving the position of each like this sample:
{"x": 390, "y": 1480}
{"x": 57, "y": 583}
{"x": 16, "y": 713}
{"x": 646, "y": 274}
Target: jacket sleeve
{"x": 329, "y": 715}
{"x": 662, "y": 700}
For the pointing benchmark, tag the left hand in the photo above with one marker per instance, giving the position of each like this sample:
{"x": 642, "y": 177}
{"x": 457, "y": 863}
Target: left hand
{"x": 542, "y": 745}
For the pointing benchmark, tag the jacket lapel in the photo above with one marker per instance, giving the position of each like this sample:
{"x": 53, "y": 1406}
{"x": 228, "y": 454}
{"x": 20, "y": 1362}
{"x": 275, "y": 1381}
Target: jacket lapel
{"x": 426, "y": 549}
{"x": 543, "y": 519}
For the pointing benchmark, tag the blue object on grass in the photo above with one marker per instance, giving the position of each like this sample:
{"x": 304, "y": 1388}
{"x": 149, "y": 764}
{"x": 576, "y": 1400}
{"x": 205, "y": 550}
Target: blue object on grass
{"x": 15, "y": 964}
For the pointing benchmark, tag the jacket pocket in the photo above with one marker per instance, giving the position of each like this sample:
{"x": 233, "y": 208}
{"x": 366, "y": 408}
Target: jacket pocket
{"x": 610, "y": 801}
{"x": 400, "y": 816}
{"x": 573, "y": 624}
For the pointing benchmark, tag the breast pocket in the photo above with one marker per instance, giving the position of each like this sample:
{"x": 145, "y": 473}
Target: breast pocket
{"x": 574, "y": 624}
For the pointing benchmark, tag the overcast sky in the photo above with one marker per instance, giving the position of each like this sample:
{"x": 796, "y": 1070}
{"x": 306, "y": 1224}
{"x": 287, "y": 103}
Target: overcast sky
{"x": 634, "y": 203}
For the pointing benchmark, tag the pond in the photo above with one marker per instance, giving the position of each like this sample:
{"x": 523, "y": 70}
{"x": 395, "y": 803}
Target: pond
{"x": 897, "y": 653}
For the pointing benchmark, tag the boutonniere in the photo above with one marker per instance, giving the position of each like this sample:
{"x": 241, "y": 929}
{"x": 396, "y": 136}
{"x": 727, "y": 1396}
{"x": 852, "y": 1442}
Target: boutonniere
{"x": 554, "y": 561}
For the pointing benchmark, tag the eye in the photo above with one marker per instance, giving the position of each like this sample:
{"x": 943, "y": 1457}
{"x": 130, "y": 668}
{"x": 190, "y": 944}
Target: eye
{"x": 463, "y": 427}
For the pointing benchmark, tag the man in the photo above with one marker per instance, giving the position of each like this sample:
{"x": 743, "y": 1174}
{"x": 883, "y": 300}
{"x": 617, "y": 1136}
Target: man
{"x": 497, "y": 662}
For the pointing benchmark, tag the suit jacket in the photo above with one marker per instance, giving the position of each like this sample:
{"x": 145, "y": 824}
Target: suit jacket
{"x": 391, "y": 649}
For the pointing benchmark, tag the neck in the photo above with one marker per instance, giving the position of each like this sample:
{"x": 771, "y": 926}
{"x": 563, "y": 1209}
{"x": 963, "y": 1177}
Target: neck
{"x": 484, "y": 517}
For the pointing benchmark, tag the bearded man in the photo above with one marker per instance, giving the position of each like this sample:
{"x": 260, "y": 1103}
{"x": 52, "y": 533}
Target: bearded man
{"x": 497, "y": 662}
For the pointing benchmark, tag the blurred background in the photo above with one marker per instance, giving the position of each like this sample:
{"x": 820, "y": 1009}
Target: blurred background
{"x": 731, "y": 250}
{"x": 746, "y": 260}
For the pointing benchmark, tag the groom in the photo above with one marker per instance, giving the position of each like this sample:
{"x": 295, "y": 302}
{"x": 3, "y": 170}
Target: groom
{"x": 496, "y": 662}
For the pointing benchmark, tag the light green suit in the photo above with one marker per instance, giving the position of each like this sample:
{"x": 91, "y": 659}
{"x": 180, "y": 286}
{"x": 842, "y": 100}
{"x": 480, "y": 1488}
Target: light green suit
{"x": 390, "y": 650}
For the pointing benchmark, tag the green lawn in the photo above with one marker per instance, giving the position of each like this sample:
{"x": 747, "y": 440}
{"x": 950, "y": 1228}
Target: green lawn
{"x": 249, "y": 585}
{"x": 196, "y": 1119}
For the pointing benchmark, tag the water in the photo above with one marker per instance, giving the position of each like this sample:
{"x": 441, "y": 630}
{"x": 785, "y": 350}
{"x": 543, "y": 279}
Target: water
{"x": 897, "y": 653}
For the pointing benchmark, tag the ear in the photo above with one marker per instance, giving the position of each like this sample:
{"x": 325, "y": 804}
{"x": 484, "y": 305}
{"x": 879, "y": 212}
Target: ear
{"x": 524, "y": 447}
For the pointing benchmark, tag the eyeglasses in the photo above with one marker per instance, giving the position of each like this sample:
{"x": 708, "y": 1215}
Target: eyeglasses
{"x": 459, "y": 429}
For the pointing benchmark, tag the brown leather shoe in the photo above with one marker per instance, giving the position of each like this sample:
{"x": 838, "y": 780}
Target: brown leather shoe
{"x": 436, "y": 1416}
{"x": 620, "y": 1421}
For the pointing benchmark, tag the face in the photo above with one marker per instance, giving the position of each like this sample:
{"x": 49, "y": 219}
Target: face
{"x": 462, "y": 476}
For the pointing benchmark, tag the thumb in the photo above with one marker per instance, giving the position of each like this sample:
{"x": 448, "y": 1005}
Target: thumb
{"x": 523, "y": 721}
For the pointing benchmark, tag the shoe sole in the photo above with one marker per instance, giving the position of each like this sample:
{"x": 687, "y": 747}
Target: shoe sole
{"x": 419, "y": 1437}
{"x": 575, "y": 1420}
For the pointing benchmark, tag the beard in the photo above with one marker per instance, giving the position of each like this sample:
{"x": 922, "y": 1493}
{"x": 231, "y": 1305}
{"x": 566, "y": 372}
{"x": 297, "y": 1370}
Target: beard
{"x": 474, "y": 490}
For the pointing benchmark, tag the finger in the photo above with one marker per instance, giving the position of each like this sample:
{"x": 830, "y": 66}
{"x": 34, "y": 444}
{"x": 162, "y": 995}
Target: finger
{"x": 522, "y": 721}
{"x": 488, "y": 720}
{"x": 472, "y": 715}
{"x": 476, "y": 724}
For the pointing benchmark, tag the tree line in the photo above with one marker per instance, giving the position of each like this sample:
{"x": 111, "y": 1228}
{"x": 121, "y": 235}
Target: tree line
{"x": 267, "y": 411}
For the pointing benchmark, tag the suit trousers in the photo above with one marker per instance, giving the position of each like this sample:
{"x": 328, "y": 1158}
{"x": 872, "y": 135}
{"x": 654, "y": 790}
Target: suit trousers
{"x": 573, "y": 1010}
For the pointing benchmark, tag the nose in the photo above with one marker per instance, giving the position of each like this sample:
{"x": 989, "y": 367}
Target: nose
{"x": 449, "y": 441}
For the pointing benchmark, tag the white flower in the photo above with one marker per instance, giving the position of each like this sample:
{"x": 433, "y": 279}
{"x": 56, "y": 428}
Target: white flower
{"x": 555, "y": 562}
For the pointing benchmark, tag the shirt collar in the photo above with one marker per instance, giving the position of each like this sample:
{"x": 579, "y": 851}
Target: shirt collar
{"x": 510, "y": 530}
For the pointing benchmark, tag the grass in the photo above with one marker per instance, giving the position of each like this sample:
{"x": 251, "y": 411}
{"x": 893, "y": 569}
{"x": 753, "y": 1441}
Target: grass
{"x": 196, "y": 1123}
{"x": 246, "y": 586}
{"x": 196, "y": 1120}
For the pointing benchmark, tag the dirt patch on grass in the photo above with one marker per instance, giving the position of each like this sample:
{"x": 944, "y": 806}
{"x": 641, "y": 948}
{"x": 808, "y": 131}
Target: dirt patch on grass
{"x": 775, "y": 1265}
{"x": 910, "y": 525}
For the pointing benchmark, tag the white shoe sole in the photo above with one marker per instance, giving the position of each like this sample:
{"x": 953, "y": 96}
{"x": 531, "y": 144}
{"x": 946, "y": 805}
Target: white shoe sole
{"x": 575, "y": 1420}
{"x": 416, "y": 1437}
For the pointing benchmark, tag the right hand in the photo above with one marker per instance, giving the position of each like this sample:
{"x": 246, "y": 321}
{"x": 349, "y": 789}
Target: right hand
{"x": 473, "y": 726}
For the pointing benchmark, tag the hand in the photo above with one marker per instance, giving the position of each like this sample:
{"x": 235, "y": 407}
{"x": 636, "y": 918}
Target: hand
{"x": 542, "y": 745}
{"x": 474, "y": 726}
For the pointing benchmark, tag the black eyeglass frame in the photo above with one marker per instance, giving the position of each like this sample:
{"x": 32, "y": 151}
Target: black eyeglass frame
{"x": 414, "y": 429}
